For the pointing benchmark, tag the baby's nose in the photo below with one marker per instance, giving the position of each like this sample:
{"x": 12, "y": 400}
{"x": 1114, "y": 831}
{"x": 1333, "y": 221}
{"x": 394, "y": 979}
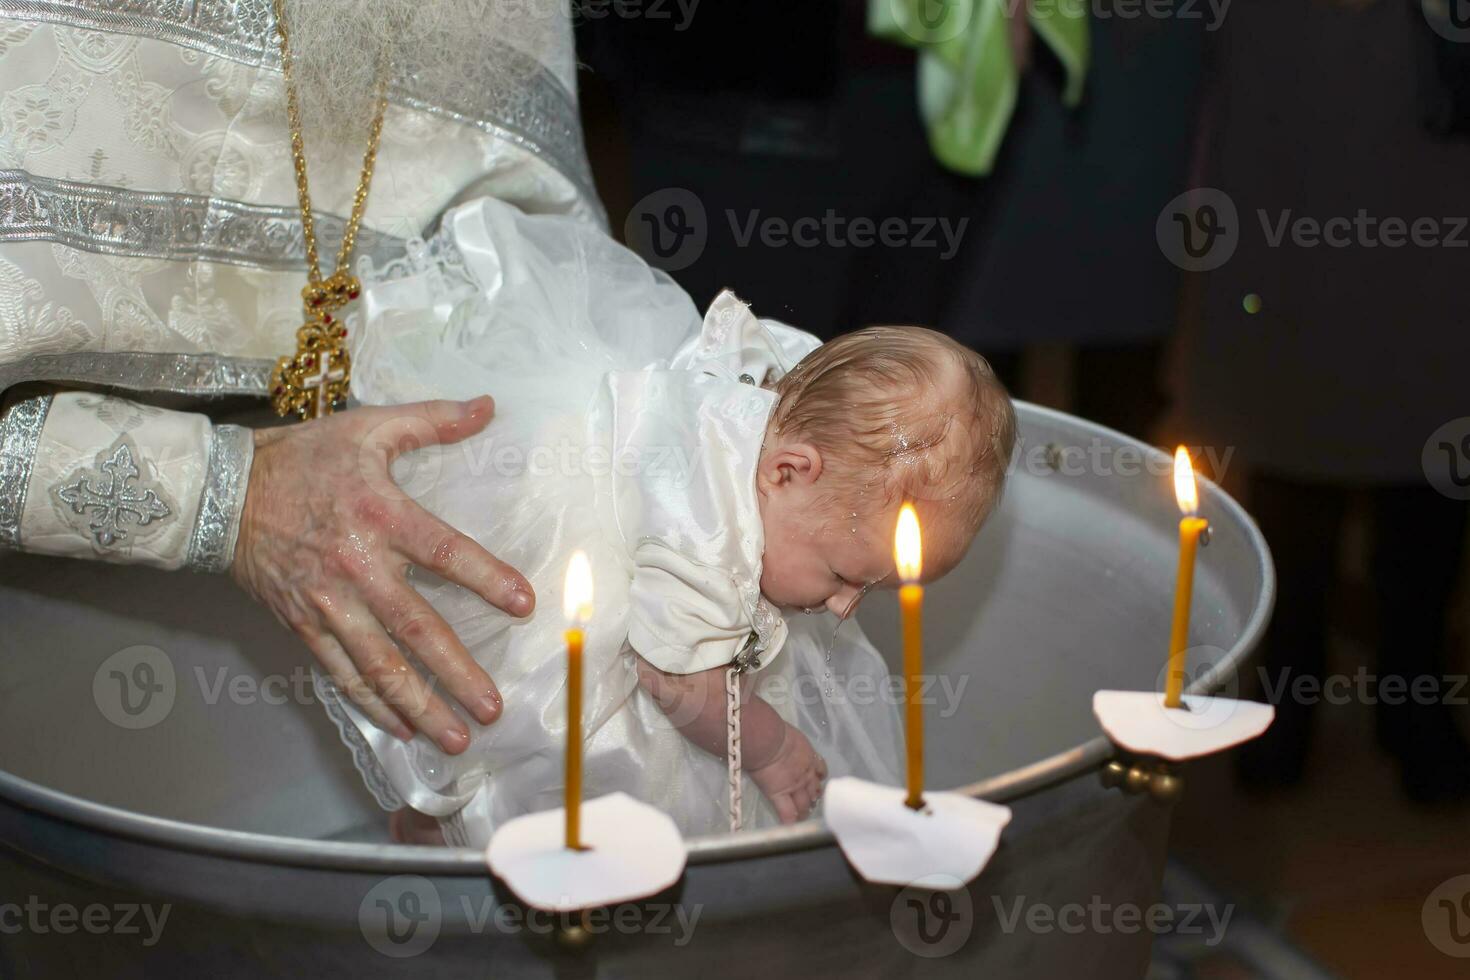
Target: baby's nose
{"x": 841, "y": 602}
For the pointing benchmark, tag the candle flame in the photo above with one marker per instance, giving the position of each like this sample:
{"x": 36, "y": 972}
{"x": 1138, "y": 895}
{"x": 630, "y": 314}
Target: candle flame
{"x": 576, "y": 600}
{"x": 1184, "y": 488}
{"x": 908, "y": 548}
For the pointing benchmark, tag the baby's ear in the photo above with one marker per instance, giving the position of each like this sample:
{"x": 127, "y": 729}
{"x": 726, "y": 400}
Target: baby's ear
{"x": 793, "y": 463}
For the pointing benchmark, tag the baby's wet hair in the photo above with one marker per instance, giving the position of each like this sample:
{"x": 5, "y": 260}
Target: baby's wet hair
{"x": 908, "y": 410}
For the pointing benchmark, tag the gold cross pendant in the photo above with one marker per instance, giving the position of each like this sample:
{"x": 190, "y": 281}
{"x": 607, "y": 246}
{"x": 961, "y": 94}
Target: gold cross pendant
{"x": 314, "y": 383}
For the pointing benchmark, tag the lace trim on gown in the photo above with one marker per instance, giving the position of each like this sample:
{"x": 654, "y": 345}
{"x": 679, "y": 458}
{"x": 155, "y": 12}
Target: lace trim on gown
{"x": 438, "y": 259}
{"x": 362, "y": 754}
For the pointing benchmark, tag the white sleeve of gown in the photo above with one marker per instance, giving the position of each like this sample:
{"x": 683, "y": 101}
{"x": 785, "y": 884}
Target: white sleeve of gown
{"x": 684, "y": 617}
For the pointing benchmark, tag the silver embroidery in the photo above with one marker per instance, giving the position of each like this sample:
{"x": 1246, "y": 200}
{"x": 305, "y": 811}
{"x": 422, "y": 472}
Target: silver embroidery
{"x": 212, "y": 544}
{"x": 184, "y": 374}
{"x": 114, "y": 499}
{"x": 142, "y": 224}
{"x": 538, "y": 114}
{"x": 118, "y": 414}
{"x": 20, "y": 433}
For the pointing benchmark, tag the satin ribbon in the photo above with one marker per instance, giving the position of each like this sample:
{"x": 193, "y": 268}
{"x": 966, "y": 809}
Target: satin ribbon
{"x": 967, "y": 72}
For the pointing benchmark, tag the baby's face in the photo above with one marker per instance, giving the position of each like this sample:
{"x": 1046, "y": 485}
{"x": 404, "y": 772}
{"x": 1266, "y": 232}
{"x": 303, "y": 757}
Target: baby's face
{"x": 816, "y": 557}
{"x": 818, "y": 553}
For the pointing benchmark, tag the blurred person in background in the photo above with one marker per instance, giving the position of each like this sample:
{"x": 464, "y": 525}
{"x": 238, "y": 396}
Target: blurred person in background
{"x": 1333, "y": 346}
{"x": 788, "y": 112}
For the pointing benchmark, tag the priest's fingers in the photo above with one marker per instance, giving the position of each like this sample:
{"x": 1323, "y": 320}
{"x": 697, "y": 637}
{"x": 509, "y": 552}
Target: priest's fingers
{"x": 350, "y": 685}
{"x": 383, "y": 667}
{"x": 410, "y": 618}
{"x": 436, "y": 547}
{"x": 397, "y": 429}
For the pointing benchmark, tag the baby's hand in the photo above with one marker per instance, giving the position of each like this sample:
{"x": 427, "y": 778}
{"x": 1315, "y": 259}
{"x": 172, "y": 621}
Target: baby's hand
{"x": 792, "y": 780}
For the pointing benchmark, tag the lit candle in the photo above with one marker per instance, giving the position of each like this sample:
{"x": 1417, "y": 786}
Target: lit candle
{"x": 577, "y": 605}
{"x": 908, "y": 556}
{"x": 1191, "y": 527}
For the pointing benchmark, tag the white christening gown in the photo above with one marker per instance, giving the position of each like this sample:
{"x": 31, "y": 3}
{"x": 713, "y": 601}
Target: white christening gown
{"x": 628, "y": 428}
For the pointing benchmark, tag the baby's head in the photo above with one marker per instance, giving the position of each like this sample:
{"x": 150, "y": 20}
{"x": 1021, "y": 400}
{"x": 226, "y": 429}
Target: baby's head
{"x": 865, "y": 422}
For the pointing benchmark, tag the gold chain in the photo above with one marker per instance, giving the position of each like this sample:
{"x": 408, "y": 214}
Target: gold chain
{"x": 315, "y": 381}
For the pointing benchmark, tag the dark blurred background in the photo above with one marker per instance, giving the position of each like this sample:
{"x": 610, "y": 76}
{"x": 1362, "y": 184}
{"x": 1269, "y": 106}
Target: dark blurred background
{"x": 1251, "y": 234}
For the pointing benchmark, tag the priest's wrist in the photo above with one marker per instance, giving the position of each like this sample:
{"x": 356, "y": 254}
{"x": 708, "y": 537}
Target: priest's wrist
{"x": 85, "y": 475}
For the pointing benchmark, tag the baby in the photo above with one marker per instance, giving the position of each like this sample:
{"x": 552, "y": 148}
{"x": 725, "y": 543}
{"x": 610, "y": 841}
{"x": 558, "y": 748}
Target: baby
{"x": 874, "y": 418}
{"x": 725, "y": 477}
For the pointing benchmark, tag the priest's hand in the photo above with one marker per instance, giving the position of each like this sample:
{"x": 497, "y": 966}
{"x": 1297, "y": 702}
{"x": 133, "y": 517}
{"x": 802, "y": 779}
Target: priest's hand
{"x": 327, "y": 539}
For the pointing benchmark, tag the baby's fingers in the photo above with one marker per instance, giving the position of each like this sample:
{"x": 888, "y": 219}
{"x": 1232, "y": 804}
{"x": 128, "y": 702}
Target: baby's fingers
{"x": 803, "y": 799}
{"x": 785, "y": 807}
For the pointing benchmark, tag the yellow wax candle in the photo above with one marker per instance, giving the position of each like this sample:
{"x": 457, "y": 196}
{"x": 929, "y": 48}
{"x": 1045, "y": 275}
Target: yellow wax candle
{"x": 908, "y": 556}
{"x": 574, "y": 739}
{"x": 1190, "y": 529}
{"x": 577, "y": 605}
